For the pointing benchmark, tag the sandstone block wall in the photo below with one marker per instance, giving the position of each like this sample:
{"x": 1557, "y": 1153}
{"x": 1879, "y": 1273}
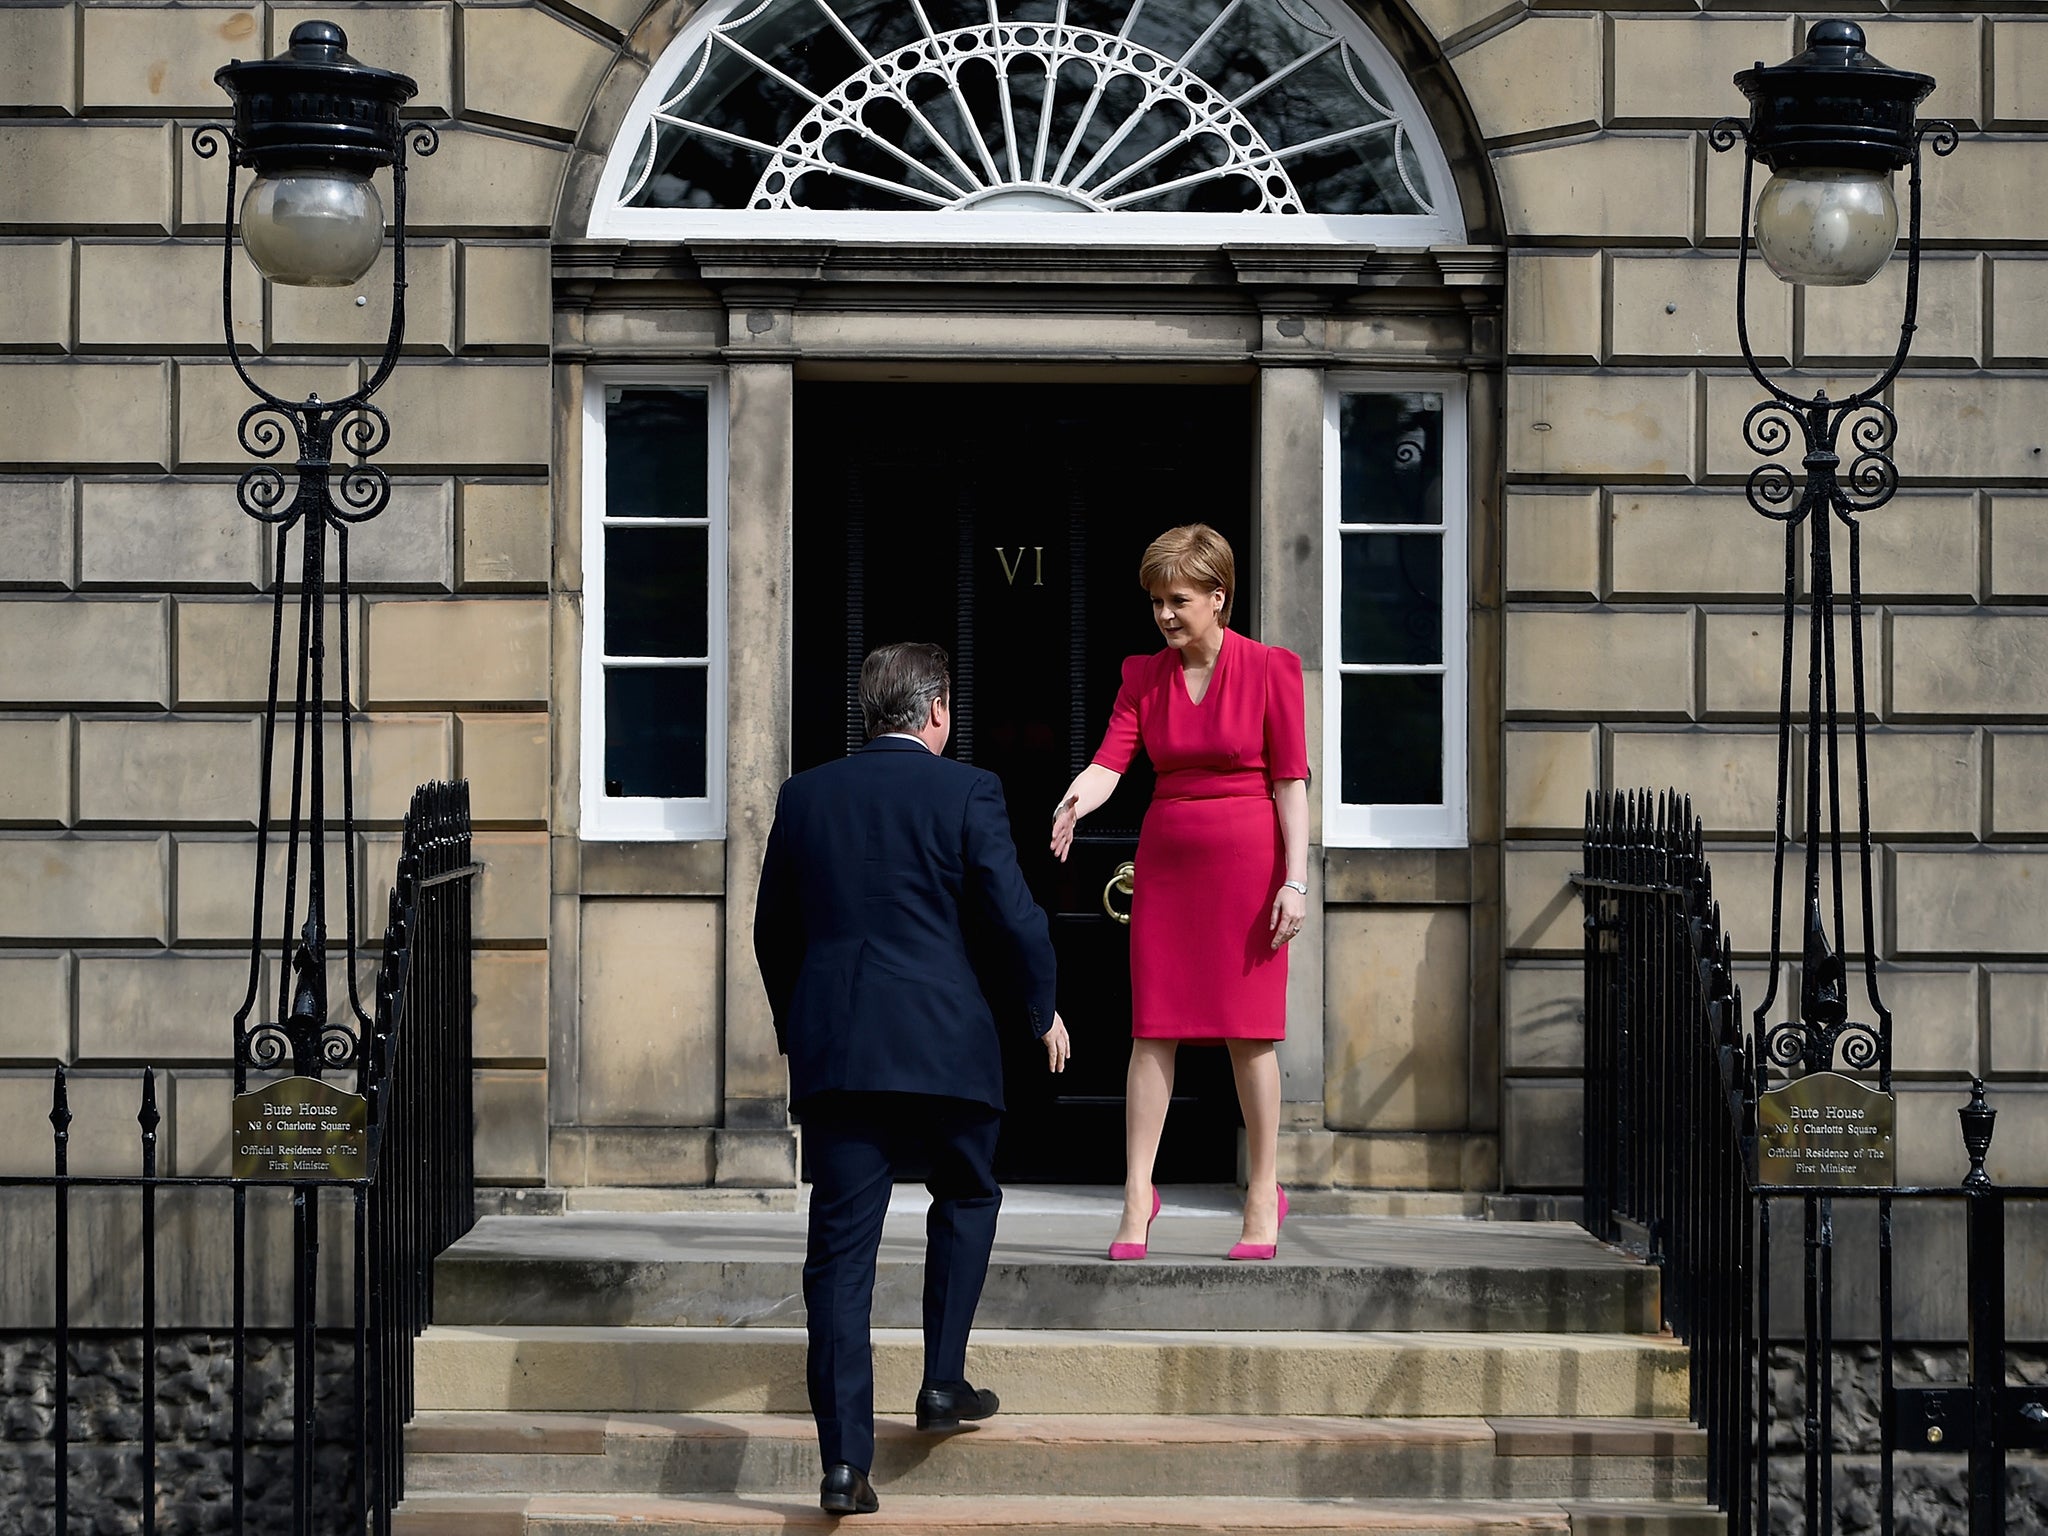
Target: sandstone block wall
{"x": 1642, "y": 637}
{"x": 134, "y": 611}
{"x": 1639, "y": 639}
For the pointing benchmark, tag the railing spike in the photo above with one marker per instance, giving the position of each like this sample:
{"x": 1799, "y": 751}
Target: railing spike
{"x": 60, "y": 1124}
{"x": 148, "y": 1117}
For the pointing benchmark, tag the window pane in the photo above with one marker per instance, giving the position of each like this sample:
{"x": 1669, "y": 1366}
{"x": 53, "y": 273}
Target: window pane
{"x": 655, "y": 732}
{"x": 1392, "y": 457}
{"x": 657, "y": 442}
{"x": 656, "y": 591}
{"x": 1393, "y": 740}
{"x": 1393, "y": 598}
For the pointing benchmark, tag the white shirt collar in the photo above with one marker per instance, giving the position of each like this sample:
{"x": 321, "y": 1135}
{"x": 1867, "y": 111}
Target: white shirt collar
{"x": 906, "y": 736}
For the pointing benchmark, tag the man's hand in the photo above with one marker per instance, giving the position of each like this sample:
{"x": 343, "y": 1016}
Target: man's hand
{"x": 1058, "y": 1048}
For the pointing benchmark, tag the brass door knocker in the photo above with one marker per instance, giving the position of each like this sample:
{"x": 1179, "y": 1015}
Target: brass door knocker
{"x": 1123, "y": 880}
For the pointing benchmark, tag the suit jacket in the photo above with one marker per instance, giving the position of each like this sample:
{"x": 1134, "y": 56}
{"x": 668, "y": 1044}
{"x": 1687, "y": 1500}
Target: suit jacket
{"x": 893, "y": 926}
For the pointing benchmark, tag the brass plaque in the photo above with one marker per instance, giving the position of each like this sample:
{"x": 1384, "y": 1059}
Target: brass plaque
{"x": 1827, "y": 1131}
{"x": 302, "y": 1129}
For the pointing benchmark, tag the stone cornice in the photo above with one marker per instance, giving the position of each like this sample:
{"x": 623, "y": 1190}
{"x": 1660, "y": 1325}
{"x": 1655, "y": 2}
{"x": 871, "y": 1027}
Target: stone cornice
{"x": 1334, "y": 272}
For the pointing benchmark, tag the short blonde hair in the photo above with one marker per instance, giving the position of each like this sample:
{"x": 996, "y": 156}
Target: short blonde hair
{"x": 1193, "y": 553}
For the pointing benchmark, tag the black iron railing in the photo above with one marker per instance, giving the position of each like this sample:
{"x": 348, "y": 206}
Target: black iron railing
{"x": 345, "y": 1471}
{"x": 1666, "y": 1069}
{"x": 1674, "y": 1071}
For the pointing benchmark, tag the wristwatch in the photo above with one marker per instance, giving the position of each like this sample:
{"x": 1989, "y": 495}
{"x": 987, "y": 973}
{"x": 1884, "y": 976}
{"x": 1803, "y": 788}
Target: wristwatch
{"x": 1295, "y": 885}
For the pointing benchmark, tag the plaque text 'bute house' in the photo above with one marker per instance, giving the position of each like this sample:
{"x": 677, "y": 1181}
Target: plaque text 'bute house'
{"x": 1827, "y": 1131}
{"x": 303, "y": 1129}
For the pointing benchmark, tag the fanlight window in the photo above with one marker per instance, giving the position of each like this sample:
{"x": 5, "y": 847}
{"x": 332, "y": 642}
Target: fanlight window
{"x": 1167, "y": 110}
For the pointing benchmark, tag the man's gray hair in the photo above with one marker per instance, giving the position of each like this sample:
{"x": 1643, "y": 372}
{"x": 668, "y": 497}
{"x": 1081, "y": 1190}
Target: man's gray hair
{"x": 897, "y": 686}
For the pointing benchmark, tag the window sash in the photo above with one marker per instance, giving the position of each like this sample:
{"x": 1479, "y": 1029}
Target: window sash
{"x": 646, "y": 817}
{"x": 1442, "y": 824}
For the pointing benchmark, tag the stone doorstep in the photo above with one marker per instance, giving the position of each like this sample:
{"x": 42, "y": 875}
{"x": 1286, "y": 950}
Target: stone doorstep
{"x": 1163, "y": 1293}
{"x": 1386, "y": 1202}
{"x": 1049, "y": 1270}
{"x": 1412, "y": 1375}
{"x": 1311, "y": 1201}
{"x": 604, "y": 1199}
{"x": 1100, "y": 1455}
{"x": 574, "y": 1514}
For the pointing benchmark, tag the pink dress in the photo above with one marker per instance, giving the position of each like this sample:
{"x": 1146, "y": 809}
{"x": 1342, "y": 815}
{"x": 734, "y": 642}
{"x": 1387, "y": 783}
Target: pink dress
{"x": 1210, "y": 855}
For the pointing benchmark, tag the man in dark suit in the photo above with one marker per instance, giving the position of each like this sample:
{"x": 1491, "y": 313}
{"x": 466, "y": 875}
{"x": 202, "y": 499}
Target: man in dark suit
{"x": 893, "y": 925}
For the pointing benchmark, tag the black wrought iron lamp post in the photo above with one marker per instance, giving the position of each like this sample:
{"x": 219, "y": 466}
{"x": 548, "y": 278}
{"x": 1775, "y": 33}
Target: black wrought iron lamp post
{"x": 315, "y": 126}
{"x": 1832, "y": 126}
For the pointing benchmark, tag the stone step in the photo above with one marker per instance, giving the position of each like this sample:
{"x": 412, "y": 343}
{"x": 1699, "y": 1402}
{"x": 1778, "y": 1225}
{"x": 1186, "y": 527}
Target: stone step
{"x": 581, "y": 1514}
{"x": 761, "y": 1370}
{"x": 1334, "y": 1273}
{"x": 615, "y": 1199}
{"x": 1100, "y": 1456}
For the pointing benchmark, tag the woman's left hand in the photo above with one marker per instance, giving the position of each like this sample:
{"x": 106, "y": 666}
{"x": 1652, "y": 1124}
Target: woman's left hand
{"x": 1290, "y": 911}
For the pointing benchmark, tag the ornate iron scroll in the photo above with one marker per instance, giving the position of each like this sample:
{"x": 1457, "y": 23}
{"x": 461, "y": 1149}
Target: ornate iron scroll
{"x": 1844, "y": 470}
{"x": 318, "y": 498}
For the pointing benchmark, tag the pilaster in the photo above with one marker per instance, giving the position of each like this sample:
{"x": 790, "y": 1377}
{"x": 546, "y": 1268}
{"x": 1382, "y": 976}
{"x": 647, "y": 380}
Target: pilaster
{"x": 762, "y": 658}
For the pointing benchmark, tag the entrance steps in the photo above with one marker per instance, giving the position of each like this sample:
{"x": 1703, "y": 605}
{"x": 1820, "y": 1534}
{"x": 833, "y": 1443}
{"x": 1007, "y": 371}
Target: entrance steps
{"x": 1334, "y": 1273}
{"x": 1054, "y": 1515}
{"x": 1080, "y": 1455}
{"x": 1097, "y": 1371}
{"x": 645, "y": 1371}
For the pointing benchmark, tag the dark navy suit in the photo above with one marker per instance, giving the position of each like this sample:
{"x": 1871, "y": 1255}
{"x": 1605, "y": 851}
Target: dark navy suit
{"x": 893, "y": 929}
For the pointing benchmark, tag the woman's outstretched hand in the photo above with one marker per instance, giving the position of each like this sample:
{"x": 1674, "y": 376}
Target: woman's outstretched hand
{"x": 1290, "y": 911}
{"x": 1094, "y": 785}
{"x": 1063, "y": 821}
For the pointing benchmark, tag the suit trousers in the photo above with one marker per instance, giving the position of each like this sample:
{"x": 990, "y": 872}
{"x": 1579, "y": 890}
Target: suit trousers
{"x": 857, "y": 1144}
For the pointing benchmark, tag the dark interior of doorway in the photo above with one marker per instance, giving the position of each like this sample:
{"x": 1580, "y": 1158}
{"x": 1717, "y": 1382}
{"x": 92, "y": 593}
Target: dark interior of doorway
{"x": 1005, "y": 522}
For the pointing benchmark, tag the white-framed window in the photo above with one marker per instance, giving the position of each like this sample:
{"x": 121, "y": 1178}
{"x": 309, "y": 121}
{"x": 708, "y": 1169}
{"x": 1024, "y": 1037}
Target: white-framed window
{"x": 1009, "y": 120}
{"x": 654, "y": 578}
{"x": 1395, "y": 601}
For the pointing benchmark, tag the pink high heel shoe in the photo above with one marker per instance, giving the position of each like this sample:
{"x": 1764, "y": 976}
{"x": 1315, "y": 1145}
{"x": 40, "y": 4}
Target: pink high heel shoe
{"x": 1137, "y": 1250}
{"x": 1263, "y": 1250}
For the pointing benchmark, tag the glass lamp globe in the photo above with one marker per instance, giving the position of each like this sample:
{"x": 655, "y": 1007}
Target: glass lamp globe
{"x": 313, "y": 226}
{"x": 1827, "y": 228}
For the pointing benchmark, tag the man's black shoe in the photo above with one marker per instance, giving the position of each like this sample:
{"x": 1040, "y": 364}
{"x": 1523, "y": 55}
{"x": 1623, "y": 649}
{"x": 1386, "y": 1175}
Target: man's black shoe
{"x": 846, "y": 1491}
{"x": 943, "y": 1407}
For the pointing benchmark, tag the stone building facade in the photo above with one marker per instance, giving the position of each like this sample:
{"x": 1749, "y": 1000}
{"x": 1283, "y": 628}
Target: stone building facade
{"x": 1611, "y": 598}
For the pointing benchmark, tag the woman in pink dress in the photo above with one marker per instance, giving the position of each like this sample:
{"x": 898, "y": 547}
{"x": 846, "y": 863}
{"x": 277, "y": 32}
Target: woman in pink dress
{"x": 1222, "y": 864}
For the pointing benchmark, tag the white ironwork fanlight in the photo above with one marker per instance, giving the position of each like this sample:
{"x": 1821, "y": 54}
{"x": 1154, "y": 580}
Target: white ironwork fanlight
{"x": 1189, "y": 119}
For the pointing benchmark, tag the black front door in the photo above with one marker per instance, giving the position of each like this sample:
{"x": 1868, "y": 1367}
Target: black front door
{"x": 1005, "y": 522}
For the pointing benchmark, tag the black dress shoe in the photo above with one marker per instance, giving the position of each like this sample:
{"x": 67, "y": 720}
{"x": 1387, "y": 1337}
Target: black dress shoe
{"x": 846, "y": 1491}
{"x": 943, "y": 1407}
